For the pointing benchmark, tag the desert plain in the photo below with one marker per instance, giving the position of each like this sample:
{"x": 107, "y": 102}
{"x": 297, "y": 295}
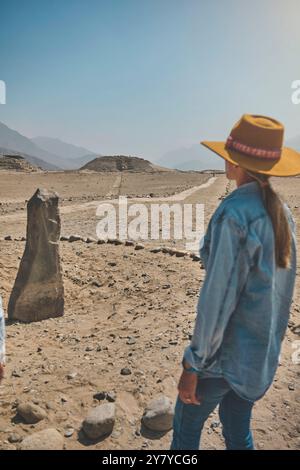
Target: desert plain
{"x": 124, "y": 309}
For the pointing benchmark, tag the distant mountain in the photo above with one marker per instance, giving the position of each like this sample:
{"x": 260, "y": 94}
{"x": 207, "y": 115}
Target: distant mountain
{"x": 196, "y": 157}
{"x": 17, "y": 142}
{"x": 62, "y": 149}
{"x": 52, "y": 153}
{"x": 294, "y": 143}
{"x": 33, "y": 160}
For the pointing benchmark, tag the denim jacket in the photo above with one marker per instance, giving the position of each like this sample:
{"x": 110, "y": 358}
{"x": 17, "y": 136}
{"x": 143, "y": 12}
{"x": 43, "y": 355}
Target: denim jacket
{"x": 243, "y": 306}
{"x": 2, "y": 335}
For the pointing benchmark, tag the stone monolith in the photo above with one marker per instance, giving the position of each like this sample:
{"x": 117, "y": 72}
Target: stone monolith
{"x": 38, "y": 292}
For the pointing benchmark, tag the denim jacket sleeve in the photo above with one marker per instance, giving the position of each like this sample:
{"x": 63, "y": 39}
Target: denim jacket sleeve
{"x": 227, "y": 267}
{"x": 2, "y": 335}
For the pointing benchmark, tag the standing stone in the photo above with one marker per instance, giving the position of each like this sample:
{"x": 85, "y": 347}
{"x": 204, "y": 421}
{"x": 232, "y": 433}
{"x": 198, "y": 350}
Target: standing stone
{"x": 38, "y": 292}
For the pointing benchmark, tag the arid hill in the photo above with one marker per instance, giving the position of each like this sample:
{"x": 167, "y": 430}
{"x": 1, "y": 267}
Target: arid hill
{"x": 121, "y": 163}
{"x": 16, "y": 163}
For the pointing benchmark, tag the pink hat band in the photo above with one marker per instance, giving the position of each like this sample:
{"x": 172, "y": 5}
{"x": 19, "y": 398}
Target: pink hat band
{"x": 268, "y": 154}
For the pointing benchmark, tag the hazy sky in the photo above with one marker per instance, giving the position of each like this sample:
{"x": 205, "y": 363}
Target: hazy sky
{"x": 143, "y": 77}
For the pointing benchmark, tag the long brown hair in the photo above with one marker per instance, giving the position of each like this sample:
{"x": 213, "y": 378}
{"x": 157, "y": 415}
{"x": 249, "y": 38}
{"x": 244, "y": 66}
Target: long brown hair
{"x": 275, "y": 209}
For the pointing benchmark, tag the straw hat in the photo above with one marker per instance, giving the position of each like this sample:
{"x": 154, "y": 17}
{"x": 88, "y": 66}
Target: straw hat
{"x": 256, "y": 143}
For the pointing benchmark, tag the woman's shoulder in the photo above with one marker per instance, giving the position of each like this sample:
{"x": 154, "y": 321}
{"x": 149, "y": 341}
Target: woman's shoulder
{"x": 240, "y": 209}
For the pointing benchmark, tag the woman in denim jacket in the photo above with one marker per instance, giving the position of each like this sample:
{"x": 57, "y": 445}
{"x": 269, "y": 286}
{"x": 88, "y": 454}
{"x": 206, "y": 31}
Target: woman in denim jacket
{"x": 249, "y": 253}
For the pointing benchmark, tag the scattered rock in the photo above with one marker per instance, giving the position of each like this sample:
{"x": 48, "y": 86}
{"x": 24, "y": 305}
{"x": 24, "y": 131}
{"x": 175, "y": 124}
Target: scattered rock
{"x": 16, "y": 373}
{"x": 125, "y": 371}
{"x": 179, "y": 253}
{"x": 8, "y": 237}
{"x": 13, "y": 438}
{"x": 129, "y": 243}
{"x": 215, "y": 424}
{"x": 100, "y": 421}
{"x": 31, "y": 413}
{"x": 118, "y": 242}
{"x": 72, "y": 375}
{"x": 99, "y": 396}
{"x": 296, "y": 329}
{"x": 48, "y": 439}
{"x": 115, "y": 434}
{"x": 111, "y": 397}
{"x": 50, "y": 405}
{"x": 156, "y": 250}
{"x": 114, "y": 241}
{"x": 158, "y": 415}
{"x": 69, "y": 432}
{"x": 139, "y": 246}
{"x": 91, "y": 240}
{"x": 171, "y": 251}
{"x": 131, "y": 340}
{"x": 75, "y": 238}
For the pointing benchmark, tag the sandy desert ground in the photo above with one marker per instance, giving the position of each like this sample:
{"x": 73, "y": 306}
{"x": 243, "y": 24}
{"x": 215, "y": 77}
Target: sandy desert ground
{"x": 124, "y": 309}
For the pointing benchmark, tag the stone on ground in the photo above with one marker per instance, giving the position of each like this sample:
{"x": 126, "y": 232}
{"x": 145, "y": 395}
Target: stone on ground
{"x": 48, "y": 439}
{"x": 100, "y": 421}
{"x": 158, "y": 415}
{"x": 31, "y": 413}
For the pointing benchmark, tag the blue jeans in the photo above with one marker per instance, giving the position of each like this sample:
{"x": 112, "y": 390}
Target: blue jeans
{"x": 234, "y": 412}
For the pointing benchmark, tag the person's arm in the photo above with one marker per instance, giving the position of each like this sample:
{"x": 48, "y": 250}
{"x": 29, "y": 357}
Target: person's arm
{"x": 226, "y": 273}
{"x": 2, "y": 341}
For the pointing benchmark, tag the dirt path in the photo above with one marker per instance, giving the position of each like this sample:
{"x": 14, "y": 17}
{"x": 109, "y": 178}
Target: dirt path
{"x": 68, "y": 209}
{"x": 115, "y": 190}
{"x": 177, "y": 197}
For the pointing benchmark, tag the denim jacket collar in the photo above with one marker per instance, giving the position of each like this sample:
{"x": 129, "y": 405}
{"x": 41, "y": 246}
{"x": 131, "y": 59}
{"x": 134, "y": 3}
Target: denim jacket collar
{"x": 251, "y": 187}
